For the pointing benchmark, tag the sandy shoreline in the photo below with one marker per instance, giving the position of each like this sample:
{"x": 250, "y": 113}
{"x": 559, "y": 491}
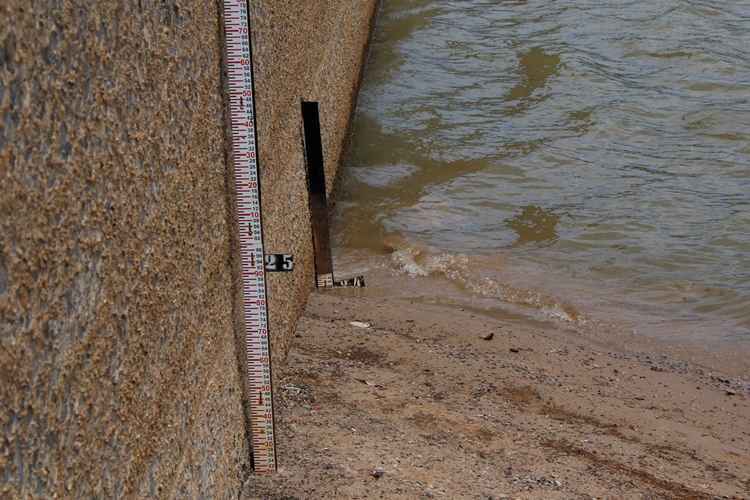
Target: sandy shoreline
{"x": 534, "y": 412}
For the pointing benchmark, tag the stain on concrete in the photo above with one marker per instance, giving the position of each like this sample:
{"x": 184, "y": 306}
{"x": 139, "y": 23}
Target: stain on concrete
{"x": 3, "y": 272}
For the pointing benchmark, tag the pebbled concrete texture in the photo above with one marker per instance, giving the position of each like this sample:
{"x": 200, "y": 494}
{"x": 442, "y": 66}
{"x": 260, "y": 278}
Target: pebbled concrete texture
{"x": 119, "y": 362}
{"x": 320, "y": 61}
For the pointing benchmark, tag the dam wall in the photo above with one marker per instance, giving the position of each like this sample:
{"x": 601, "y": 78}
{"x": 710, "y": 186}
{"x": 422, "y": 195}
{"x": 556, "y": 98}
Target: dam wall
{"x": 119, "y": 353}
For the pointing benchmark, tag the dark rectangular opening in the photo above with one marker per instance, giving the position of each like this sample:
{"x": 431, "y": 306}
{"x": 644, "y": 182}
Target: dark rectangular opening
{"x": 316, "y": 179}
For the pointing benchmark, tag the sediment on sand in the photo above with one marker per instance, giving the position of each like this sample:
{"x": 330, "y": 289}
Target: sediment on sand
{"x": 420, "y": 403}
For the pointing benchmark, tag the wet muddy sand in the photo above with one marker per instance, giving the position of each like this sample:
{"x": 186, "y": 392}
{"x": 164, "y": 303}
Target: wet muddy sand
{"x": 432, "y": 401}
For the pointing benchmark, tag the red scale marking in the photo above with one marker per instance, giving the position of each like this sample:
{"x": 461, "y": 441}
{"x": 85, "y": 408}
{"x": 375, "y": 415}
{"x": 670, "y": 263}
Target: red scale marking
{"x": 239, "y": 78}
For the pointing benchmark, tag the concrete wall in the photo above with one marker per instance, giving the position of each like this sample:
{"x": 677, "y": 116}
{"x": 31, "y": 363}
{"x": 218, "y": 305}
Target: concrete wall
{"x": 119, "y": 372}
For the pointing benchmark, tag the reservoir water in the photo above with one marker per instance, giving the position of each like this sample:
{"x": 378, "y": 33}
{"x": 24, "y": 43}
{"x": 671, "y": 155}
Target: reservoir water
{"x": 578, "y": 160}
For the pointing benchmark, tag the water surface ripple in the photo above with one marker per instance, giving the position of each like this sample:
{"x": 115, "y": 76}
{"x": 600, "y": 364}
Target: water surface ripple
{"x": 605, "y": 144}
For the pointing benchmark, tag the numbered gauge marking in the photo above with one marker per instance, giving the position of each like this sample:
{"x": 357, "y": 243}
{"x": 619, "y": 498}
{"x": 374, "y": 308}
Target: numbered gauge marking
{"x": 244, "y": 156}
{"x": 279, "y": 263}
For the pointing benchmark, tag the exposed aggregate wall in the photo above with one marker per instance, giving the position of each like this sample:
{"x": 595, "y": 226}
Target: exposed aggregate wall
{"x": 119, "y": 371}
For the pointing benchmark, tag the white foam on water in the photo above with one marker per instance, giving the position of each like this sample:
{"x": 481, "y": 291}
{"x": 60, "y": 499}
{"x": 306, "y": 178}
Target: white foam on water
{"x": 465, "y": 272}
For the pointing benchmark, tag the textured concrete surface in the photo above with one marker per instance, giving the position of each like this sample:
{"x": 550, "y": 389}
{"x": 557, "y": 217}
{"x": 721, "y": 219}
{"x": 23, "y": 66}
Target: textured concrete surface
{"x": 313, "y": 54}
{"x": 119, "y": 373}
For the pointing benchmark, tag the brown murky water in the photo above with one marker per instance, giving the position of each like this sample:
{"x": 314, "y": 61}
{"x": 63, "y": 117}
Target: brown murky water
{"x": 577, "y": 159}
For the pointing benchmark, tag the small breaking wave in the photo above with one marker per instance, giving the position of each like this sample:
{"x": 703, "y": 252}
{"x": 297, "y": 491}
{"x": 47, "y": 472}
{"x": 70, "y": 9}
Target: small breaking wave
{"x": 477, "y": 276}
